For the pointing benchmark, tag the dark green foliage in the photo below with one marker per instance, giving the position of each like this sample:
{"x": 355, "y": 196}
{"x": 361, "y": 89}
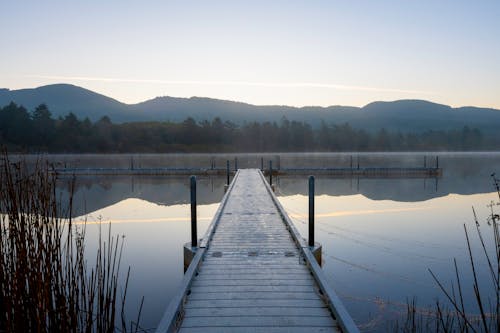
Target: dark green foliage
{"x": 38, "y": 131}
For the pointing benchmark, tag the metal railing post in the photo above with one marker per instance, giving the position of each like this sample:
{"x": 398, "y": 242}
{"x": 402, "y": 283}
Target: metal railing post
{"x": 270, "y": 172}
{"x": 311, "y": 211}
{"x": 194, "y": 232}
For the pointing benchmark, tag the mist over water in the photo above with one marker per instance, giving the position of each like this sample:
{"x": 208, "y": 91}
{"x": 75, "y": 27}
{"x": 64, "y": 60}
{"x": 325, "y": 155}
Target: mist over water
{"x": 379, "y": 235}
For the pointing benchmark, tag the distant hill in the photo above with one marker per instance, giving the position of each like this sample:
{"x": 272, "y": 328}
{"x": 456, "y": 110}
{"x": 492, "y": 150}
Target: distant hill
{"x": 404, "y": 115}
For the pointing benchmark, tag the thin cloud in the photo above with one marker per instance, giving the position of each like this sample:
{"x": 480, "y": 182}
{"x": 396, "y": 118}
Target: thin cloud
{"x": 236, "y": 83}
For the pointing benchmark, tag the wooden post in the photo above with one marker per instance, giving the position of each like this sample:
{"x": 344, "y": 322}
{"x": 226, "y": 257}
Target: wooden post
{"x": 194, "y": 233}
{"x": 227, "y": 172}
{"x": 311, "y": 211}
{"x": 271, "y": 172}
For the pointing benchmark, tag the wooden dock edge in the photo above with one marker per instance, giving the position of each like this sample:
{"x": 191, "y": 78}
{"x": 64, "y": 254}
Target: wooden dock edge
{"x": 335, "y": 305}
{"x": 175, "y": 310}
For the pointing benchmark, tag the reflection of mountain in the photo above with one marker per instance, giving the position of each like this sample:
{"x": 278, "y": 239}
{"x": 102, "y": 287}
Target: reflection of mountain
{"x": 93, "y": 193}
{"x": 462, "y": 174}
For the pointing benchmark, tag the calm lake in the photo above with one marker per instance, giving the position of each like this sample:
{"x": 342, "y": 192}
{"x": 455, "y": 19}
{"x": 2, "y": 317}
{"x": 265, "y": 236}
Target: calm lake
{"x": 380, "y": 236}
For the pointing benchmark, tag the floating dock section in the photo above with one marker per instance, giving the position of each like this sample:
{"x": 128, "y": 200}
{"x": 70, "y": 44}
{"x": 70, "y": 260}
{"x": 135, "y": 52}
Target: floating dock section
{"x": 331, "y": 172}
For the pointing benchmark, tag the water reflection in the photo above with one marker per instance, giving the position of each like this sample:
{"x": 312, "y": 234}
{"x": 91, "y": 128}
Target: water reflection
{"x": 377, "y": 253}
{"x": 94, "y": 193}
{"x": 379, "y": 235}
{"x": 154, "y": 236}
{"x": 462, "y": 174}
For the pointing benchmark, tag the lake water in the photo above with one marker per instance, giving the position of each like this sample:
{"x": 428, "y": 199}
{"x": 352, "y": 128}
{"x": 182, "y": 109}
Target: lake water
{"x": 379, "y": 236}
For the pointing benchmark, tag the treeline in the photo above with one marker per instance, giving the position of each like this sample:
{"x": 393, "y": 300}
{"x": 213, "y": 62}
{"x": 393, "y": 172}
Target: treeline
{"x": 37, "y": 131}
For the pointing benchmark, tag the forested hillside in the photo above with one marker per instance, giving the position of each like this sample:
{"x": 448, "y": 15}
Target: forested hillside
{"x": 38, "y": 131}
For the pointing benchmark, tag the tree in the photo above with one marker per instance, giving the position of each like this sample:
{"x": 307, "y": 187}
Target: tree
{"x": 43, "y": 125}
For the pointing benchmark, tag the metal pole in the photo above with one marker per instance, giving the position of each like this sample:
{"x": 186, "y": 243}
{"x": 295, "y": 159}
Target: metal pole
{"x": 311, "y": 211}
{"x": 262, "y": 163}
{"x": 351, "y": 161}
{"x": 235, "y": 164}
{"x": 270, "y": 172}
{"x": 227, "y": 171}
{"x": 437, "y": 162}
{"x": 194, "y": 233}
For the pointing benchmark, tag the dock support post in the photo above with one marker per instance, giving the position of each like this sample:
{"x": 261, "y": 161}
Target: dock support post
{"x": 316, "y": 248}
{"x": 270, "y": 172}
{"x": 194, "y": 233}
{"x": 227, "y": 172}
{"x": 311, "y": 211}
{"x": 235, "y": 164}
{"x": 190, "y": 248}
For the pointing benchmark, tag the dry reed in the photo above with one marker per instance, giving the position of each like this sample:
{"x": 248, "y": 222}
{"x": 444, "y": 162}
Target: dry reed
{"x": 46, "y": 284}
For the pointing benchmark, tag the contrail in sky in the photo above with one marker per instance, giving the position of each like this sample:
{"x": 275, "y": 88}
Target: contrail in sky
{"x": 237, "y": 83}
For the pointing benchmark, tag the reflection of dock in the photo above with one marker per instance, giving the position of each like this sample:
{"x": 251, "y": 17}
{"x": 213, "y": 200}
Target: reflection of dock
{"x": 252, "y": 272}
{"x": 333, "y": 172}
{"x": 366, "y": 172}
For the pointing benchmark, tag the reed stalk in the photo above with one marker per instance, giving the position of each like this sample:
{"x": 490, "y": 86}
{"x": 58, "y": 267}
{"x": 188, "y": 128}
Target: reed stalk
{"x": 46, "y": 283}
{"x": 486, "y": 299}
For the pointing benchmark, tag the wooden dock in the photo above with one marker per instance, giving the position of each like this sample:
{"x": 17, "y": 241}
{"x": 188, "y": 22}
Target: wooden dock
{"x": 330, "y": 172}
{"x": 253, "y": 272}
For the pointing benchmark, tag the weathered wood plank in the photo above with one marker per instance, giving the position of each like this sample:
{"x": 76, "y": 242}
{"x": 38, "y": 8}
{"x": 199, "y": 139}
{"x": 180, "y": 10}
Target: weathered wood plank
{"x": 198, "y": 295}
{"x": 252, "y": 311}
{"x": 277, "y": 282}
{"x": 276, "y": 321}
{"x": 267, "y": 276}
{"x": 284, "y": 329}
{"x": 310, "y": 303}
{"x": 253, "y": 271}
{"x": 260, "y": 288}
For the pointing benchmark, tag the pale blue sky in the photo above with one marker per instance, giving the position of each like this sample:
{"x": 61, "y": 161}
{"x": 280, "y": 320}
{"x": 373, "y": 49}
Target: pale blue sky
{"x": 261, "y": 52}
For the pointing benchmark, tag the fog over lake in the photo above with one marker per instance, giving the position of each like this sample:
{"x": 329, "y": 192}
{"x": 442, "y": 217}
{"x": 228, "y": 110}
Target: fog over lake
{"x": 379, "y": 235}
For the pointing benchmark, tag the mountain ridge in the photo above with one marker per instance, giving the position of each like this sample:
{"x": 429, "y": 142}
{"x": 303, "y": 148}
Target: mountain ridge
{"x": 403, "y": 115}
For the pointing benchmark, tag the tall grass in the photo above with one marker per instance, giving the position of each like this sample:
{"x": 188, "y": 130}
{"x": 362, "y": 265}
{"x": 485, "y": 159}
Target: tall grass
{"x": 486, "y": 294}
{"x": 46, "y": 284}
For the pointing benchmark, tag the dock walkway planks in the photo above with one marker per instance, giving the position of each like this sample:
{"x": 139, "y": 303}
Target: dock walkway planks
{"x": 251, "y": 276}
